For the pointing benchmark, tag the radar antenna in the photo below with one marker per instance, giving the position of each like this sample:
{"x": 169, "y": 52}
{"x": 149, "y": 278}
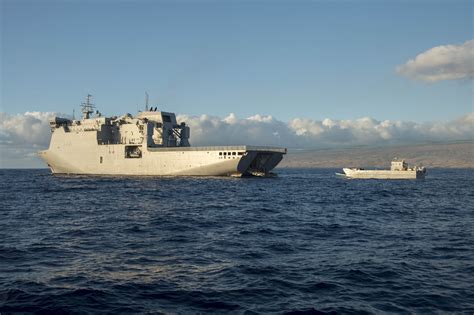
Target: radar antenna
{"x": 87, "y": 107}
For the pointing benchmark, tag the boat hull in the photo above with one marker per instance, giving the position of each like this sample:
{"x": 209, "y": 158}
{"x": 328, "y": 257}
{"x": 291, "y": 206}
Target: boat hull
{"x": 383, "y": 174}
{"x": 177, "y": 161}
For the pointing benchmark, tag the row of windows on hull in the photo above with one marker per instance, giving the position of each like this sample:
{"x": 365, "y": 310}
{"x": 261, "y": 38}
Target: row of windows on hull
{"x": 231, "y": 153}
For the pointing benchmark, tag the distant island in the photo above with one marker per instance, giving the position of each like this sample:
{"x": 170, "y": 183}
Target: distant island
{"x": 432, "y": 155}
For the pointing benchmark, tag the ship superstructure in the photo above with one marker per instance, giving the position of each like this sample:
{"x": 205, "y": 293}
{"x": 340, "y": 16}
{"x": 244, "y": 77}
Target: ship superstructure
{"x": 150, "y": 143}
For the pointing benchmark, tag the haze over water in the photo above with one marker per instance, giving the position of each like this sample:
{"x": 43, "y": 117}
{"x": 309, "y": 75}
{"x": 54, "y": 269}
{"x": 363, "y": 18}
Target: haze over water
{"x": 304, "y": 241}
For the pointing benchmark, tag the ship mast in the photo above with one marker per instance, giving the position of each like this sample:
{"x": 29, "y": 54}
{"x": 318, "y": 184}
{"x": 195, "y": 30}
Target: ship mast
{"x": 87, "y": 107}
{"x": 146, "y": 101}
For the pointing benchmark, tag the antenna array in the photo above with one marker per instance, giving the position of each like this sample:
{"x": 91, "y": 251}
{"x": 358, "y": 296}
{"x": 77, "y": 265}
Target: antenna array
{"x": 87, "y": 107}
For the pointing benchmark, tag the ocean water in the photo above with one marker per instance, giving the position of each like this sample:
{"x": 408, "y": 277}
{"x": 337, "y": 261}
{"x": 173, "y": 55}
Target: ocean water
{"x": 306, "y": 242}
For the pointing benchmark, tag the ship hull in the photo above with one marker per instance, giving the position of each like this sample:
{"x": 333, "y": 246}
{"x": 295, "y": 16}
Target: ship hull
{"x": 178, "y": 161}
{"x": 383, "y": 174}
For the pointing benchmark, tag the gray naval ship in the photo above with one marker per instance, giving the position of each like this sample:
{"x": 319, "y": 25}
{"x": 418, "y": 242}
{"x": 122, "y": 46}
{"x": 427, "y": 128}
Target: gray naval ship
{"x": 151, "y": 143}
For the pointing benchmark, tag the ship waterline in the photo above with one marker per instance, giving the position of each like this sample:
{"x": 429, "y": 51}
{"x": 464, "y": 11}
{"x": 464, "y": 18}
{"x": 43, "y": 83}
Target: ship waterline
{"x": 151, "y": 143}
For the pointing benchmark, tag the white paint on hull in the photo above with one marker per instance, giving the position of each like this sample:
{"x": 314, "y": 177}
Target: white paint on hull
{"x": 199, "y": 161}
{"x": 383, "y": 174}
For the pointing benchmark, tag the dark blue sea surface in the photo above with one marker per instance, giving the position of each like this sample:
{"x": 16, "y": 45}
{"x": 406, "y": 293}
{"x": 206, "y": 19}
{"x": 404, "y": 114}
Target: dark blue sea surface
{"x": 305, "y": 242}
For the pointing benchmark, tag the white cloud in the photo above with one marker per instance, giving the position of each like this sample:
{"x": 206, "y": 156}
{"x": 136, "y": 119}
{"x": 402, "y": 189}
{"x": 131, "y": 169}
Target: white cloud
{"x": 22, "y": 135}
{"x": 31, "y": 128}
{"x": 212, "y": 130}
{"x": 446, "y": 62}
{"x": 309, "y": 133}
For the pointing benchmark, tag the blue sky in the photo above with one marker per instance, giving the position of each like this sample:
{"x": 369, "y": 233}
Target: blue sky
{"x": 311, "y": 59}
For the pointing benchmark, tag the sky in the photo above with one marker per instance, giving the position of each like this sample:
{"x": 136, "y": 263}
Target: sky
{"x": 314, "y": 59}
{"x": 340, "y": 70}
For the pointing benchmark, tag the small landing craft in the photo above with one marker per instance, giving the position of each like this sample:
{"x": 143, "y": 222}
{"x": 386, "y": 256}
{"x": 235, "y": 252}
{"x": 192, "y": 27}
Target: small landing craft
{"x": 151, "y": 143}
{"x": 398, "y": 170}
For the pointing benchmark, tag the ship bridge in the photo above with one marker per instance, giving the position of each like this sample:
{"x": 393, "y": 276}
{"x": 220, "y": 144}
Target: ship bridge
{"x": 163, "y": 129}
